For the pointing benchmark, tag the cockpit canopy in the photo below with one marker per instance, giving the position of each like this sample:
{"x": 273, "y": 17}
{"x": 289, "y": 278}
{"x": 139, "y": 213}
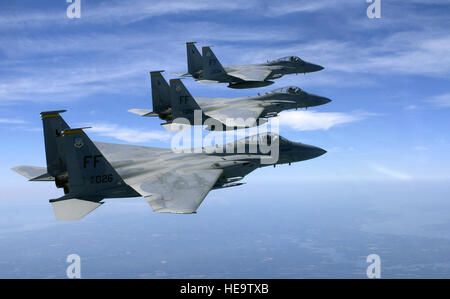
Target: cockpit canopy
{"x": 268, "y": 138}
{"x": 290, "y": 90}
{"x": 288, "y": 59}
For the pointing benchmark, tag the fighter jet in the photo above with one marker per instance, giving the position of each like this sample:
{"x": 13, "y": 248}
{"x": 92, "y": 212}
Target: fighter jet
{"x": 171, "y": 182}
{"x": 174, "y": 103}
{"x": 207, "y": 68}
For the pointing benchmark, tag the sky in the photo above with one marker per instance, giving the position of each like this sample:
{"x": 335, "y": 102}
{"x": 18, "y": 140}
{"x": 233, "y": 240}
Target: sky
{"x": 388, "y": 79}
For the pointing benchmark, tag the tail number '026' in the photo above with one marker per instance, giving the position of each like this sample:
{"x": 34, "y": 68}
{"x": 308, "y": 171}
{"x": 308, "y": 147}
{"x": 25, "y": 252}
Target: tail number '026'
{"x": 102, "y": 179}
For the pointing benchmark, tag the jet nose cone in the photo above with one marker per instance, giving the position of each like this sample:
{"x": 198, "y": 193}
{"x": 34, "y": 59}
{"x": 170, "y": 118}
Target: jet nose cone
{"x": 324, "y": 101}
{"x": 320, "y": 151}
{"x": 316, "y": 67}
{"x": 307, "y": 152}
{"x": 315, "y": 100}
{"x": 316, "y": 151}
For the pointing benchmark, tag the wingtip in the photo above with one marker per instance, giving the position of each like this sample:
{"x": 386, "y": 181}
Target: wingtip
{"x": 52, "y": 112}
{"x": 156, "y": 72}
{"x": 49, "y": 114}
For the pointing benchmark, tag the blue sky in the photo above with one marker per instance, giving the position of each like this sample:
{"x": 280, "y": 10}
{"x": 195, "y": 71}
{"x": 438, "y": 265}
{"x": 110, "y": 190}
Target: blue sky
{"x": 388, "y": 77}
{"x": 382, "y": 187}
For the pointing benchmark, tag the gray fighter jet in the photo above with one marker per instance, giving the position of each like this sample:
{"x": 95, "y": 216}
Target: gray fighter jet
{"x": 174, "y": 102}
{"x": 170, "y": 182}
{"x": 207, "y": 68}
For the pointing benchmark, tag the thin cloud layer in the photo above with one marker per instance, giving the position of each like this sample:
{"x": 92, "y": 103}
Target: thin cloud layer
{"x": 131, "y": 135}
{"x": 11, "y": 121}
{"x": 89, "y": 59}
{"x": 130, "y": 11}
{"x": 390, "y": 173}
{"x": 312, "y": 120}
{"x": 442, "y": 100}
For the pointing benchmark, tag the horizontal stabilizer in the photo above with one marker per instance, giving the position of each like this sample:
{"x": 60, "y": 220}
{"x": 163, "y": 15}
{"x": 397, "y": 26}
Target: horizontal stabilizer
{"x": 73, "y": 209}
{"x": 43, "y": 178}
{"x": 34, "y": 173}
{"x": 180, "y": 74}
{"x": 143, "y": 112}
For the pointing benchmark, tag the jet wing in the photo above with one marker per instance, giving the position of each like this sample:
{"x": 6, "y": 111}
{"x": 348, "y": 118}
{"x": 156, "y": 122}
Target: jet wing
{"x": 244, "y": 115}
{"x": 168, "y": 187}
{"x": 207, "y": 82}
{"x": 143, "y": 112}
{"x": 251, "y": 74}
{"x": 179, "y": 191}
{"x": 34, "y": 173}
{"x": 180, "y": 74}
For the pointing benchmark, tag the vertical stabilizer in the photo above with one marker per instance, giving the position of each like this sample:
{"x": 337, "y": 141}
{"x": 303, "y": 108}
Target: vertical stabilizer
{"x": 183, "y": 104}
{"x": 212, "y": 69}
{"x": 53, "y": 125}
{"x": 160, "y": 92}
{"x": 88, "y": 170}
{"x": 194, "y": 59}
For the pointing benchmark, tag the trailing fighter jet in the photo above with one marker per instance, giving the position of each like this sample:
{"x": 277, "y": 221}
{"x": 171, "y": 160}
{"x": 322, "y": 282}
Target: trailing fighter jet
{"x": 207, "y": 68}
{"x": 174, "y": 102}
{"x": 170, "y": 182}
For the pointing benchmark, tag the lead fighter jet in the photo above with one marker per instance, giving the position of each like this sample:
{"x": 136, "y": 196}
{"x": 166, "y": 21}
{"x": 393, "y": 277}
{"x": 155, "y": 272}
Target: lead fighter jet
{"x": 170, "y": 182}
{"x": 207, "y": 68}
{"x": 174, "y": 102}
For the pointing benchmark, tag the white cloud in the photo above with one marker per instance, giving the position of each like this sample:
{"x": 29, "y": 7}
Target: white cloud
{"x": 76, "y": 65}
{"x": 442, "y": 100}
{"x": 390, "y": 173}
{"x": 11, "y": 121}
{"x": 129, "y": 11}
{"x": 141, "y": 9}
{"x": 419, "y": 148}
{"x": 280, "y": 8}
{"x": 312, "y": 120}
{"x": 420, "y": 52}
{"x": 129, "y": 134}
{"x": 70, "y": 81}
{"x": 410, "y": 107}
{"x": 120, "y": 11}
